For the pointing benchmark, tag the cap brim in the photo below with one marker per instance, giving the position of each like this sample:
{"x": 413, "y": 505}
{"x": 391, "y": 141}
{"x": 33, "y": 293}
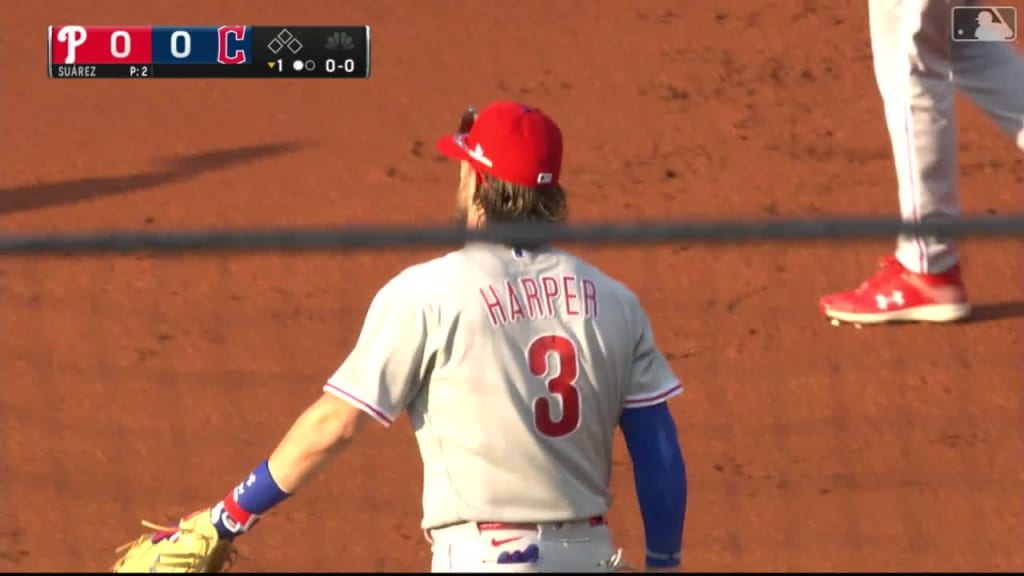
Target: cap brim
{"x": 452, "y": 148}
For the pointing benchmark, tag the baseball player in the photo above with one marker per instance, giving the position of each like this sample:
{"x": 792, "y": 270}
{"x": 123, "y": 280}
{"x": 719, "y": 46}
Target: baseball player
{"x": 917, "y": 67}
{"x": 515, "y": 365}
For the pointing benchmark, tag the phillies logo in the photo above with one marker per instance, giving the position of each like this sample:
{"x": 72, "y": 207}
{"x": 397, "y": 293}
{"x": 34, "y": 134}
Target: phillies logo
{"x": 219, "y": 512}
{"x": 73, "y": 36}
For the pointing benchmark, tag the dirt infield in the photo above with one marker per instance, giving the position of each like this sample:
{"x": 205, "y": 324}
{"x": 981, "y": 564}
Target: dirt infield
{"x": 144, "y": 387}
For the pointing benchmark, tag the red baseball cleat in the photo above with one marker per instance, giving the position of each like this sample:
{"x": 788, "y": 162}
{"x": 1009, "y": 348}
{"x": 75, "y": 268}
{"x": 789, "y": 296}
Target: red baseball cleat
{"x": 895, "y": 294}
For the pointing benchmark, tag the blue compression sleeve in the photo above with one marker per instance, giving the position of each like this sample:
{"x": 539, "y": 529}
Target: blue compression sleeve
{"x": 660, "y": 476}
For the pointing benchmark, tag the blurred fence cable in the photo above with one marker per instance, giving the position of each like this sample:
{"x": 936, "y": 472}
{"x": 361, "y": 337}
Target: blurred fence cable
{"x": 656, "y": 232}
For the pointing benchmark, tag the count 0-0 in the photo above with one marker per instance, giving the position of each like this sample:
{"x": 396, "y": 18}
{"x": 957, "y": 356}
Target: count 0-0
{"x": 348, "y": 65}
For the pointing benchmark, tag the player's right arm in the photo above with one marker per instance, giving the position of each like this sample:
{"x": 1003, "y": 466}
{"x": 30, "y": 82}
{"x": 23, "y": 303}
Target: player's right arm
{"x": 659, "y": 471}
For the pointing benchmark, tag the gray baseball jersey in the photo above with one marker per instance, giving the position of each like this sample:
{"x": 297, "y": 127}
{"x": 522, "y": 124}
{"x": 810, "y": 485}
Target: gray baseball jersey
{"x": 514, "y": 367}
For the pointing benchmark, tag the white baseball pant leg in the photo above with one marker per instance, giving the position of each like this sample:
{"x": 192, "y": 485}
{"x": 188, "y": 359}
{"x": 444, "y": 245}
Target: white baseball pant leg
{"x": 917, "y": 68}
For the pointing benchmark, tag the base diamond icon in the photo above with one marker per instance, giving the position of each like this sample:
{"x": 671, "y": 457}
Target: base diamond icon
{"x": 284, "y": 39}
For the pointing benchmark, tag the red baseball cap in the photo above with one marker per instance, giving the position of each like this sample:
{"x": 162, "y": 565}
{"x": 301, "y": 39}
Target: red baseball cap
{"x": 512, "y": 142}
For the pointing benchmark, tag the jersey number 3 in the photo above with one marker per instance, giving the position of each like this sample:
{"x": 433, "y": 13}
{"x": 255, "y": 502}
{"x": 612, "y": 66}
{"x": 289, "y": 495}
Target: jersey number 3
{"x": 562, "y": 384}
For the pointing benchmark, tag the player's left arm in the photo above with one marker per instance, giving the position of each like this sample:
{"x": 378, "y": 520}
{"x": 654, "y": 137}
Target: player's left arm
{"x": 203, "y": 541}
{"x": 378, "y": 379}
{"x": 320, "y": 433}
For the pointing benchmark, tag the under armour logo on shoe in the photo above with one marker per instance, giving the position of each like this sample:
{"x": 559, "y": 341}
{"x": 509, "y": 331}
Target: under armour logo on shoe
{"x": 895, "y": 297}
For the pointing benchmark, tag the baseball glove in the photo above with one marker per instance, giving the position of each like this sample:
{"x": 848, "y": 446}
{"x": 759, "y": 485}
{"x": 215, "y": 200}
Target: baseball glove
{"x": 192, "y": 546}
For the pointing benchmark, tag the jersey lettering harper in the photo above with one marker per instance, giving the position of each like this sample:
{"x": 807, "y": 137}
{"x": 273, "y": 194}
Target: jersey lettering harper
{"x": 514, "y": 367}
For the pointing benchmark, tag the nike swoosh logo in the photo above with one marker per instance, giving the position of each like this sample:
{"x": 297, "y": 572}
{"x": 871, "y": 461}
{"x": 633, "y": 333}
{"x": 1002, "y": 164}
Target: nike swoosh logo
{"x": 495, "y": 542}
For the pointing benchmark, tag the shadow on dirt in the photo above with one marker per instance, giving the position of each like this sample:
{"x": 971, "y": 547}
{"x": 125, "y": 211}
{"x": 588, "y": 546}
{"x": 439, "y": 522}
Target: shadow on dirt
{"x": 172, "y": 170}
{"x": 997, "y": 311}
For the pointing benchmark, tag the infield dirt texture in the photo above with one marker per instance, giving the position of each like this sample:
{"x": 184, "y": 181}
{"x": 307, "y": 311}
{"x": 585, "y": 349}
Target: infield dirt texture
{"x": 140, "y": 387}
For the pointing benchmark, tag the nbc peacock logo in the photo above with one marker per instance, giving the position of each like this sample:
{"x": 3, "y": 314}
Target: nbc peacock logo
{"x": 340, "y": 41}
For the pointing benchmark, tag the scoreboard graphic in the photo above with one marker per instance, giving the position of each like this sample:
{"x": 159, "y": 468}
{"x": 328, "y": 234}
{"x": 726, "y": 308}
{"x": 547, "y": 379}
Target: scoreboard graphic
{"x": 209, "y": 52}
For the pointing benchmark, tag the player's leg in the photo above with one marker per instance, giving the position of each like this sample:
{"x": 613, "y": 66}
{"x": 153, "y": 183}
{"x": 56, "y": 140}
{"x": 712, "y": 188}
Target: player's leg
{"x": 991, "y": 74}
{"x": 910, "y": 44}
{"x": 920, "y": 108}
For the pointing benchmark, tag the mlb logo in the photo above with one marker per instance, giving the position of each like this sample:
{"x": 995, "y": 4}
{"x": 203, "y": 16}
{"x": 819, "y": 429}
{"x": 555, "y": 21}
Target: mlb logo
{"x": 984, "y": 24}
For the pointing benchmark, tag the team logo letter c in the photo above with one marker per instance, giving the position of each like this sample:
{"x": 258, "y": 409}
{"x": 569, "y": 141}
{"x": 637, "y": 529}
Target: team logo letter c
{"x": 232, "y": 54}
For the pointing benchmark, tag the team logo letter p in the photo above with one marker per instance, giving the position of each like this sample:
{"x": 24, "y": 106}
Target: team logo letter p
{"x": 73, "y": 36}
